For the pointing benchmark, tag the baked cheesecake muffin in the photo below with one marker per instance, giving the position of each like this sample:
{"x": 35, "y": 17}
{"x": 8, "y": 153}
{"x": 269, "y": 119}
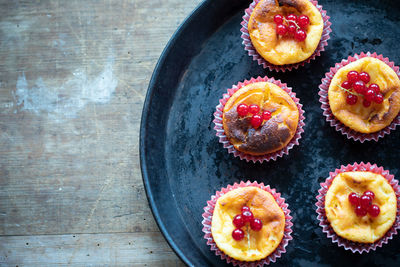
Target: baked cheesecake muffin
{"x": 260, "y": 118}
{"x": 364, "y": 95}
{"x": 247, "y": 224}
{"x": 360, "y": 206}
{"x": 285, "y": 31}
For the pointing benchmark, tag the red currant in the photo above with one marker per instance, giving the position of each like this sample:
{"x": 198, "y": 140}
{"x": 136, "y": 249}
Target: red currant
{"x": 256, "y": 121}
{"x": 378, "y": 98}
{"x": 254, "y": 109}
{"x": 256, "y": 224}
{"x": 347, "y": 85}
{"x": 247, "y": 216}
{"x": 238, "y": 234}
{"x": 369, "y": 95}
{"x": 363, "y": 76}
{"x": 278, "y": 19}
{"x": 375, "y": 87}
{"x": 303, "y": 21}
{"x": 359, "y": 87}
{"x": 360, "y": 211}
{"x": 292, "y": 29}
{"x": 238, "y": 221}
{"x": 365, "y": 201}
{"x": 242, "y": 110}
{"x": 370, "y": 194}
{"x": 281, "y": 29}
{"x": 354, "y": 199}
{"x": 352, "y": 76}
{"x": 351, "y": 99}
{"x": 245, "y": 208}
{"x": 266, "y": 115}
{"x": 292, "y": 17}
{"x": 300, "y": 35}
{"x": 366, "y": 103}
{"x": 374, "y": 210}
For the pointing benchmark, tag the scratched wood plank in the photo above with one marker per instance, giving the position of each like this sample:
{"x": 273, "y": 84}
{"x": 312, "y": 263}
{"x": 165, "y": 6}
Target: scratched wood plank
{"x": 73, "y": 77}
{"x": 117, "y": 249}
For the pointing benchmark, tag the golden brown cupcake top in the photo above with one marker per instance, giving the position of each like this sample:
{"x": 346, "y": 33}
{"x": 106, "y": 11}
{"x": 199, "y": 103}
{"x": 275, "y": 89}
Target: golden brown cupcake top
{"x": 376, "y": 116}
{"x": 255, "y": 245}
{"x": 273, "y": 134}
{"x": 342, "y": 215}
{"x": 281, "y": 50}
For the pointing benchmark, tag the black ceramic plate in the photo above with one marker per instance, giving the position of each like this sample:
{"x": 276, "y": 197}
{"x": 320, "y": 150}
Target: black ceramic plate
{"x": 183, "y": 163}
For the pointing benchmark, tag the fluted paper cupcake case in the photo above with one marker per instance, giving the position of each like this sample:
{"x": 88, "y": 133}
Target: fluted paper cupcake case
{"x": 218, "y": 114}
{"x": 327, "y": 228}
{"x": 248, "y": 46}
{"x": 338, "y": 125}
{"x": 207, "y": 218}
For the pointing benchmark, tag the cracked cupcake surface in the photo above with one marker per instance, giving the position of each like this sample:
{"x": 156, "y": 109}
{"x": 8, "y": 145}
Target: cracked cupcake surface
{"x": 255, "y": 245}
{"x": 273, "y": 134}
{"x": 376, "y": 116}
{"x": 340, "y": 212}
{"x": 282, "y": 50}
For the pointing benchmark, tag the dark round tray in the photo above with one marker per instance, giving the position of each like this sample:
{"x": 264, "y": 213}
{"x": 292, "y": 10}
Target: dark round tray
{"x": 183, "y": 163}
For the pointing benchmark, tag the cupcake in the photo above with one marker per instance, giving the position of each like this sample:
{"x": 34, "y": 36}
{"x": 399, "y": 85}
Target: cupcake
{"x": 361, "y": 96}
{"x": 247, "y": 223}
{"x": 261, "y": 119}
{"x": 359, "y": 207}
{"x": 285, "y": 32}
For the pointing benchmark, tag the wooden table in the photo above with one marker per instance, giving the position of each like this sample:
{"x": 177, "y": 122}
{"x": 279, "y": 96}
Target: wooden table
{"x": 73, "y": 79}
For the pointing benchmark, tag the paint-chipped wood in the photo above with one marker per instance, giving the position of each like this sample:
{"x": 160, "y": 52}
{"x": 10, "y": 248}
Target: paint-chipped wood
{"x": 73, "y": 77}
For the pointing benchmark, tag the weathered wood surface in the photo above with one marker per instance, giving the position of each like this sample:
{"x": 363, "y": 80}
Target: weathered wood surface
{"x": 73, "y": 78}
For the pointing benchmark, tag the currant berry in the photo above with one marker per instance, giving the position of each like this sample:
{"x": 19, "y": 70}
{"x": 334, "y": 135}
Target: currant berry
{"x": 351, "y": 99}
{"x": 303, "y": 21}
{"x": 365, "y": 201}
{"x": 256, "y": 224}
{"x": 359, "y": 87}
{"x": 278, "y": 19}
{"x": 242, "y": 110}
{"x": 374, "y": 87}
{"x": 247, "y": 216}
{"x": 292, "y": 17}
{"x": 363, "y": 76}
{"x": 360, "y": 211}
{"x": 369, "y": 95}
{"x": 366, "y": 103}
{"x": 374, "y": 210}
{"x": 352, "y": 76}
{"x": 254, "y": 109}
{"x": 238, "y": 234}
{"x": 256, "y": 121}
{"x": 292, "y": 29}
{"x": 266, "y": 115}
{"x": 370, "y": 194}
{"x": 354, "y": 199}
{"x": 281, "y": 29}
{"x": 238, "y": 221}
{"x": 347, "y": 85}
{"x": 378, "y": 98}
{"x": 245, "y": 208}
{"x": 300, "y": 35}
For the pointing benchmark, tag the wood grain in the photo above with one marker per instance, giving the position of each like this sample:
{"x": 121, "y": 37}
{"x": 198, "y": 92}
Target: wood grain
{"x": 73, "y": 78}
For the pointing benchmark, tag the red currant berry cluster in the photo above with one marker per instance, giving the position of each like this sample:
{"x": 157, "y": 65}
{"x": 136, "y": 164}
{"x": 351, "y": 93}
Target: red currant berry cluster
{"x": 292, "y": 25}
{"x": 241, "y": 219}
{"x": 356, "y": 85}
{"x": 364, "y": 204}
{"x": 256, "y": 119}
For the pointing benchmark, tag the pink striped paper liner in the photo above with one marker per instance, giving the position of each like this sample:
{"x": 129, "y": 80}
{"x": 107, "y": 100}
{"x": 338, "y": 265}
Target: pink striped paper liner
{"x": 248, "y": 46}
{"x": 327, "y": 228}
{"x": 220, "y": 133}
{"x": 338, "y": 125}
{"x": 207, "y": 219}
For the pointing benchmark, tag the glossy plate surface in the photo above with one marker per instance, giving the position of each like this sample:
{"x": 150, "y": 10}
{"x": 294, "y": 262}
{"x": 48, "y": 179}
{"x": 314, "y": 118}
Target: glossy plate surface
{"x": 183, "y": 163}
